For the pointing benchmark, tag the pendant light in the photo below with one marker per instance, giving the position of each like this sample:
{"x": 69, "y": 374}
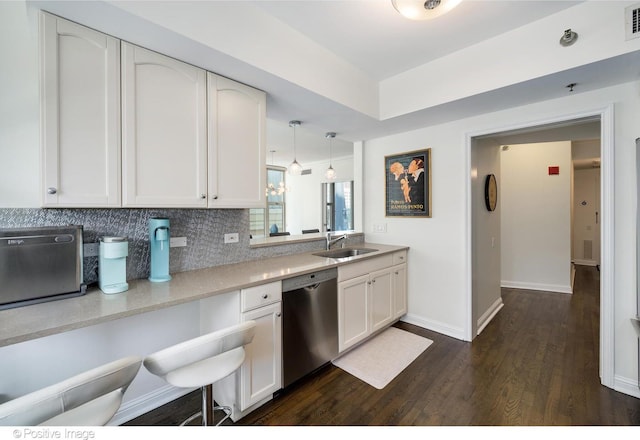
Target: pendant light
{"x": 295, "y": 168}
{"x": 330, "y": 174}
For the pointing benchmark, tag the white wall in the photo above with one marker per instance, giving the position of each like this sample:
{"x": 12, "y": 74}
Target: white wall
{"x": 536, "y": 217}
{"x": 585, "y": 204}
{"x": 437, "y": 260}
{"x": 487, "y": 299}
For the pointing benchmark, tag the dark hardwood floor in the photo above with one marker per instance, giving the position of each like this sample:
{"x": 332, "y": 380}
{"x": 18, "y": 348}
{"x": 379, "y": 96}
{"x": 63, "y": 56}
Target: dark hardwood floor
{"x": 535, "y": 364}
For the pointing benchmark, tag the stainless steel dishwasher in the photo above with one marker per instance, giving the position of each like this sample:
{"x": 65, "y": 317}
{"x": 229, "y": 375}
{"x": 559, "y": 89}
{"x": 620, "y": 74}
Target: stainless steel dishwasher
{"x": 309, "y": 323}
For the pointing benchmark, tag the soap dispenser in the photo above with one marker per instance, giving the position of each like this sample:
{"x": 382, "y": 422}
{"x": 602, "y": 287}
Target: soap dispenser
{"x": 159, "y": 238}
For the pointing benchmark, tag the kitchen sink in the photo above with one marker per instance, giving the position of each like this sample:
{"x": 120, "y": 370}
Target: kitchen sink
{"x": 344, "y": 253}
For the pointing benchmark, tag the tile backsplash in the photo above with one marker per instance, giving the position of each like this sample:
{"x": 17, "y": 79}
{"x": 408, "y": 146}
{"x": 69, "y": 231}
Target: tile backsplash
{"x": 203, "y": 228}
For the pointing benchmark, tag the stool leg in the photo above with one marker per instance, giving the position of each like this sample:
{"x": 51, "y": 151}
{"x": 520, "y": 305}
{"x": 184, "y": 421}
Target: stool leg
{"x": 207, "y": 405}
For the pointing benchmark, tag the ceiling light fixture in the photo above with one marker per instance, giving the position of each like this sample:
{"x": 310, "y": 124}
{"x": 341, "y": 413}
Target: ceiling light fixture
{"x": 330, "y": 174}
{"x": 295, "y": 168}
{"x": 424, "y": 10}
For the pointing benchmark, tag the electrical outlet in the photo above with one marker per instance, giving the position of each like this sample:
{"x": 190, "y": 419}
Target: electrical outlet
{"x": 91, "y": 249}
{"x": 231, "y": 238}
{"x": 177, "y": 242}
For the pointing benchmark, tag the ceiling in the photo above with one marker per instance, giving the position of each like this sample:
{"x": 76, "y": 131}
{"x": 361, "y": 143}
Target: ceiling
{"x": 369, "y": 36}
{"x": 372, "y": 36}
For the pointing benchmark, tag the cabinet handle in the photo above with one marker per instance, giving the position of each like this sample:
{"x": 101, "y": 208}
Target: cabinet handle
{"x": 369, "y": 282}
{"x": 265, "y": 296}
{"x": 215, "y": 197}
{"x": 278, "y": 314}
{"x": 203, "y": 196}
{"x": 402, "y": 258}
{"x": 52, "y": 190}
{"x": 396, "y": 272}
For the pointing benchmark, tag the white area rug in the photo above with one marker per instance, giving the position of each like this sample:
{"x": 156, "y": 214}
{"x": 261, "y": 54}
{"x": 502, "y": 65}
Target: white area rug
{"x": 383, "y": 357}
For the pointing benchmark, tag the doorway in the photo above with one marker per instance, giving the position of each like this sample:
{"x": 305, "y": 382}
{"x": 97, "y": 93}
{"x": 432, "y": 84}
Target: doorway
{"x": 482, "y": 272}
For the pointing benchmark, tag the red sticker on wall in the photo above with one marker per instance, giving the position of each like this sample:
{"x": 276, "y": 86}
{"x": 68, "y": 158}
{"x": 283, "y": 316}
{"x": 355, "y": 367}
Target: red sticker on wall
{"x": 554, "y": 170}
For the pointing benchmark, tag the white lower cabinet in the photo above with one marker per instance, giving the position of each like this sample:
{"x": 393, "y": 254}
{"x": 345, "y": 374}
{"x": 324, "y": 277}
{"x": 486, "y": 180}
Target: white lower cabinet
{"x": 399, "y": 274}
{"x": 261, "y": 373}
{"x": 372, "y": 295}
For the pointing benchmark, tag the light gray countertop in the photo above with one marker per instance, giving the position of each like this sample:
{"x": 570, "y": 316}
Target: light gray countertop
{"x": 39, "y": 320}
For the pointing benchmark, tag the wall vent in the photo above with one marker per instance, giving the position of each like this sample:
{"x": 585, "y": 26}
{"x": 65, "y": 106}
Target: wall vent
{"x": 306, "y": 172}
{"x": 632, "y": 21}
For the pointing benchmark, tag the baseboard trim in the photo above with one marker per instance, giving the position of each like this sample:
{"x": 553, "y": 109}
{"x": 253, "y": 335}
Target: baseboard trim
{"x": 585, "y": 262}
{"x": 535, "y": 286}
{"x": 488, "y": 316}
{"x": 626, "y": 386}
{"x": 438, "y": 327}
{"x": 147, "y": 402}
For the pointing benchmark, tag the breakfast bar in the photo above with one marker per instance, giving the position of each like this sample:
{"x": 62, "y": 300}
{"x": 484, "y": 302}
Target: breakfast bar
{"x": 76, "y": 333}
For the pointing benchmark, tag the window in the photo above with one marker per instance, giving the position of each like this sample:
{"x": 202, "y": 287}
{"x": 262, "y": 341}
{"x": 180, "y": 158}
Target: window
{"x": 270, "y": 219}
{"x": 338, "y": 206}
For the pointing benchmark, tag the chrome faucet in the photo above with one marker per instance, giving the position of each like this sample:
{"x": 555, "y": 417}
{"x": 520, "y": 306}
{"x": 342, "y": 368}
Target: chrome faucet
{"x": 331, "y": 242}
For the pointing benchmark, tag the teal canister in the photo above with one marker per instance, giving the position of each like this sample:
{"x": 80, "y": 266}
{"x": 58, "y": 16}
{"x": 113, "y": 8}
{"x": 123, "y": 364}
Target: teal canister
{"x": 159, "y": 239}
{"x": 112, "y": 264}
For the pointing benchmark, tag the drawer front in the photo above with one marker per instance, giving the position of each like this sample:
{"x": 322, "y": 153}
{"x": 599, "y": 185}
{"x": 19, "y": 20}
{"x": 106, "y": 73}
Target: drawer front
{"x": 399, "y": 257}
{"x": 262, "y": 295}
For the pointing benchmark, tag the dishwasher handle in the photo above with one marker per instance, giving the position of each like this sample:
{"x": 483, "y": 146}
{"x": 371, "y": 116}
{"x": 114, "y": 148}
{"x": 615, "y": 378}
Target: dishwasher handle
{"x": 311, "y": 288}
{"x": 310, "y": 279}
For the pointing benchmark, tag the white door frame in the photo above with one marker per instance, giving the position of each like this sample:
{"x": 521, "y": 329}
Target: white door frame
{"x": 607, "y": 205}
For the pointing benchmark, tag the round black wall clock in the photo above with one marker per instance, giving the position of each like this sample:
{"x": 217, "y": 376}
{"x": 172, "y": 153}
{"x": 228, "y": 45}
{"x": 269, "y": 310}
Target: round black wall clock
{"x": 490, "y": 192}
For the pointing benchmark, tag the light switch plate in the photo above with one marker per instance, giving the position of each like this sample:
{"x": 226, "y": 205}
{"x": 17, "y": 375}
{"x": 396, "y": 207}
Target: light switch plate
{"x": 231, "y": 238}
{"x": 380, "y": 227}
{"x": 177, "y": 241}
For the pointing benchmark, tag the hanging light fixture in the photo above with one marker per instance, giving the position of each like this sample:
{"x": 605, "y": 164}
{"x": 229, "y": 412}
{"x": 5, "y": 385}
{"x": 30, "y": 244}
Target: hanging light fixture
{"x": 330, "y": 174}
{"x": 295, "y": 168}
{"x": 273, "y": 190}
{"x": 423, "y": 10}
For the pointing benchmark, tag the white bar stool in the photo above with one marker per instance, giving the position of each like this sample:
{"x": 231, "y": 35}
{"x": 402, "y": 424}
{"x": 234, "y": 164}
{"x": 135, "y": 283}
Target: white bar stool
{"x": 88, "y": 399}
{"x": 202, "y": 361}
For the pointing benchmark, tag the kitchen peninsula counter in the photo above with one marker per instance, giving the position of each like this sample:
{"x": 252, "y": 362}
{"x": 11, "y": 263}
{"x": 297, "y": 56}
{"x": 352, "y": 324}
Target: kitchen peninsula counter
{"x": 39, "y": 320}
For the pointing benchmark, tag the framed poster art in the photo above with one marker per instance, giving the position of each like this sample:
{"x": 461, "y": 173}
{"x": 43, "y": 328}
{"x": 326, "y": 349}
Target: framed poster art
{"x": 408, "y": 184}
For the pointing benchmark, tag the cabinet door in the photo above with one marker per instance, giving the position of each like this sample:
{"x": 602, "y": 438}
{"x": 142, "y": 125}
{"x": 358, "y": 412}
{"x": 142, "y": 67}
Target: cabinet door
{"x": 261, "y": 372}
{"x": 353, "y": 311}
{"x": 400, "y": 290}
{"x": 382, "y": 303}
{"x": 237, "y": 144}
{"x": 164, "y": 132}
{"x": 80, "y": 115}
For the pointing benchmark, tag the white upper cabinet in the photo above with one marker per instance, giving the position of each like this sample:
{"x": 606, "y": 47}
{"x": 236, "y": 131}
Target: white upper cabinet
{"x": 126, "y": 126}
{"x": 164, "y": 131}
{"x": 80, "y": 115}
{"x": 237, "y": 144}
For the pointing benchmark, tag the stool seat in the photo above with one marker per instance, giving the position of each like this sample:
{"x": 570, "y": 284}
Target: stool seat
{"x": 202, "y": 361}
{"x": 88, "y": 399}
